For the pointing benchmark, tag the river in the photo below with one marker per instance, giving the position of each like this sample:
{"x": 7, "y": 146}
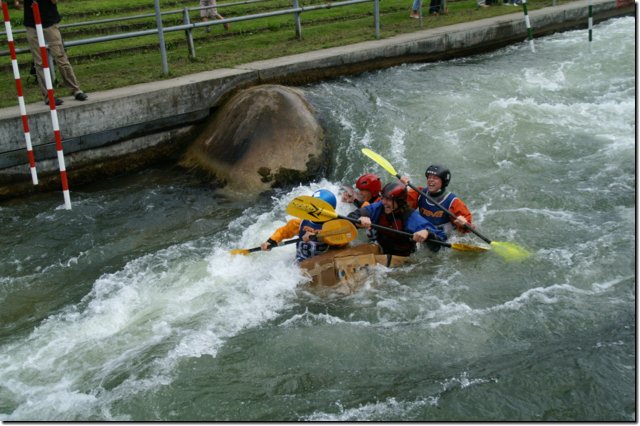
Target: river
{"x": 130, "y": 307}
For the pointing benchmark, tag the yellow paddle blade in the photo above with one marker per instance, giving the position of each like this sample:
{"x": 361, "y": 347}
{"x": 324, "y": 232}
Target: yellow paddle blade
{"x": 509, "y": 251}
{"x": 243, "y": 252}
{"x": 468, "y": 247}
{"x": 338, "y": 232}
{"x": 380, "y": 160}
{"x": 311, "y": 208}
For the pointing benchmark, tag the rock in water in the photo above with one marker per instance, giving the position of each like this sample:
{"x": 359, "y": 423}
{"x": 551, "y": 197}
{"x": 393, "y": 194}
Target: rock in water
{"x": 263, "y": 137}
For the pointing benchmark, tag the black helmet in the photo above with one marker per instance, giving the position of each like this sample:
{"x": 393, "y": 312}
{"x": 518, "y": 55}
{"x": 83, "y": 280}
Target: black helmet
{"x": 395, "y": 191}
{"x": 441, "y": 171}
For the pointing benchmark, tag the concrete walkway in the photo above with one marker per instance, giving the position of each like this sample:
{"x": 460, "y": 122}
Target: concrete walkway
{"x": 128, "y": 128}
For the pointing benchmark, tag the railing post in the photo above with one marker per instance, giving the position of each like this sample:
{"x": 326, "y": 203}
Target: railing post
{"x": 376, "y": 16}
{"x": 163, "y": 47}
{"x": 187, "y": 32}
{"x": 296, "y": 17}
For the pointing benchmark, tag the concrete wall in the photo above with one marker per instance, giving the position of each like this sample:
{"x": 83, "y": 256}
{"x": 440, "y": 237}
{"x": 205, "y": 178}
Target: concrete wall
{"x": 125, "y": 129}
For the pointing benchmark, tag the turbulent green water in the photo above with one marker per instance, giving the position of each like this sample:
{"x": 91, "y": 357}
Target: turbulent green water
{"x": 129, "y": 306}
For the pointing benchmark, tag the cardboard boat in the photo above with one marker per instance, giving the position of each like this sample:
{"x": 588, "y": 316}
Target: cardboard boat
{"x": 344, "y": 270}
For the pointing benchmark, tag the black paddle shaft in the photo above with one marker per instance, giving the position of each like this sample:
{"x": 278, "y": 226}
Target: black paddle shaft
{"x": 397, "y": 231}
{"x": 283, "y": 243}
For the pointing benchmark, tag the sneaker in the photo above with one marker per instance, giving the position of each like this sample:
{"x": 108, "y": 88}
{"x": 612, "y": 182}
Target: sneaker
{"x": 414, "y": 15}
{"x": 80, "y": 96}
{"x": 57, "y": 101}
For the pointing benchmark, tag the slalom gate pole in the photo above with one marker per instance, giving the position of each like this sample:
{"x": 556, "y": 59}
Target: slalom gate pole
{"x": 590, "y": 21}
{"x": 23, "y": 110}
{"x": 52, "y": 105}
{"x": 528, "y": 23}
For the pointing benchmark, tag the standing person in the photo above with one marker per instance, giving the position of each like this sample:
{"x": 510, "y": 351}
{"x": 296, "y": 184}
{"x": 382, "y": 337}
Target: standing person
{"x": 210, "y": 12}
{"x": 438, "y": 178}
{"x": 415, "y": 9}
{"x": 434, "y": 8}
{"x": 394, "y": 212}
{"x": 50, "y": 19}
{"x": 309, "y": 245}
{"x": 369, "y": 187}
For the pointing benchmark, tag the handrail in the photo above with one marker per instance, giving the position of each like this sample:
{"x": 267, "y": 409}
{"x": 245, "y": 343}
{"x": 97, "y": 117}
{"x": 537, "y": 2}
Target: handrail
{"x": 189, "y": 26}
{"x": 146, "y": 15}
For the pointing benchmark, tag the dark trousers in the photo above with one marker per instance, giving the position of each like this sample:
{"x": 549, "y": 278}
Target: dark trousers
{"x": 434, "y": 6}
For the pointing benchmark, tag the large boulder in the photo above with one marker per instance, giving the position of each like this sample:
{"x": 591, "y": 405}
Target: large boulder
{"x": 263, "y": 137}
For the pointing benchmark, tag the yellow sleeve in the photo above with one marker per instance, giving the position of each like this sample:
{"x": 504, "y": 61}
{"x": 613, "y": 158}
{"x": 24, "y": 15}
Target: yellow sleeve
{"x": 289, "y": 230}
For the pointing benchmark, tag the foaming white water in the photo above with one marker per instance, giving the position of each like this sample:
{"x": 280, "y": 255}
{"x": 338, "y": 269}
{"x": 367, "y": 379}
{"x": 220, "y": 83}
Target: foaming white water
{"x": 308, "y": 319}
{"x": 548, "y": 168}
{"x": 390, "y": 408}
{"x": 555, "y": 294}
{"x": 166, "y": 307}
{"x": 397, "y": 147}
{"x": 394, "y": 409}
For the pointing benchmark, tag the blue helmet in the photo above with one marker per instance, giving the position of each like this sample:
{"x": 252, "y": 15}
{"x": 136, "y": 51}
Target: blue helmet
{"x": 326, "y": 195}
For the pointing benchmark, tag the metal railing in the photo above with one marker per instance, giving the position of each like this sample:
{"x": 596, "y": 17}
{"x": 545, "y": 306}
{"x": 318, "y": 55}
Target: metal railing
{"x": 187, "y": 26}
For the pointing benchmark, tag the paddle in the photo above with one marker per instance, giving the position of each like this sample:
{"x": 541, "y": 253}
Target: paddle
{"x": 509, "y": 251}
{"x": 335, "y": 232}
{"x": 317, "y": 210}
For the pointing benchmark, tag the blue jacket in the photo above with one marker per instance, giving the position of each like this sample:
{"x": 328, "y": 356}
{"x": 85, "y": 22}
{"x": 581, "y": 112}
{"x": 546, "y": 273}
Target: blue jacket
{"x": 414, "y": 222}
{"x": 393, "y": 243}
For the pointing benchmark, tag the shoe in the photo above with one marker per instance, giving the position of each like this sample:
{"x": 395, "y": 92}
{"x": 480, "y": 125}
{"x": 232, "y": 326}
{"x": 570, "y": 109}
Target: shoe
{"x": 414, "y": 15}
{"x": 80, "y": 96}
{"x": 57, "y": 101}
{"x": 226, "y": 26}
{"x": 207, "y": 29}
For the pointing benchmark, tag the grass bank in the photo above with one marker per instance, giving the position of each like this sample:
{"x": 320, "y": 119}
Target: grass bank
{"x": 108, "y": 65}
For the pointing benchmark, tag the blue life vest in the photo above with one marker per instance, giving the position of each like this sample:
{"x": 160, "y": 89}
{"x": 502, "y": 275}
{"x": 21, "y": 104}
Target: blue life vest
{"x": 435, "y": 214}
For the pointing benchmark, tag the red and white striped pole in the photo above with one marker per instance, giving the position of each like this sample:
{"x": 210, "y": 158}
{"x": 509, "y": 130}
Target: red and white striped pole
{"x": 23, "y": 110}
{"x": 52, "y": 105}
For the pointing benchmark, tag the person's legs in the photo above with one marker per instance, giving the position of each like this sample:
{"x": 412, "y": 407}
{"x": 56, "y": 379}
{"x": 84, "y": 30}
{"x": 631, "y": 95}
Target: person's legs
{"x": 206, "y": 13}
{"x": 215, "y": 14}
{"x": 218, "y": 16}
{"x": 34, "y": 46}
{"x": 434, "y": 7}
{"x": 415, "y": 9}
{"x": 225, "y": 25}
{"x": 54, "y": 41}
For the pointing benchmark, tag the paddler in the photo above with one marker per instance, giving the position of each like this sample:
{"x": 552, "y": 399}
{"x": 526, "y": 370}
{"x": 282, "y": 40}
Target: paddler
{"x": 309, "y": 245}
{"x": 438, "y": 178}
{"x": 369, "y": 186}
{"x": 392, "y": 211}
